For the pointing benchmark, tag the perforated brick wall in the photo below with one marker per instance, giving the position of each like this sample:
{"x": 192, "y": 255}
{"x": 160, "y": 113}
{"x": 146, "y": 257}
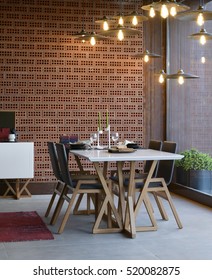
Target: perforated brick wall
{"x": 57, "y": 85}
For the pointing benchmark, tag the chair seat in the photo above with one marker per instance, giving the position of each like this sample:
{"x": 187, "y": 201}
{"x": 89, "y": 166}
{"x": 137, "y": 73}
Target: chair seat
{"x": 138, "y": 185}
{"x": 88, "y": 186}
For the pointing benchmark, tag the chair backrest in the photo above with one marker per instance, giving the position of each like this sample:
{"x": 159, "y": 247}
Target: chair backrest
{"x": 155, "y": 145}
{"x": 54, "y": 160}
{"x": 166, "y": 167}
{"x": 63, "y": 164}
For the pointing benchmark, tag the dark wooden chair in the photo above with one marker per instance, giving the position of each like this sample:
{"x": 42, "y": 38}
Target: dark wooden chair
{"x": 73, "y": 188}
{"x": 56, "y": 170}
{"x": 76, "y": 175}
{"x": 158, "y": 185}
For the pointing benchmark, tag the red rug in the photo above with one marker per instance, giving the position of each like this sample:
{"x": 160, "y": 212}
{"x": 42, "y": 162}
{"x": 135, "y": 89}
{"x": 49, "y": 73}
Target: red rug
{"x": 22, "y": 226}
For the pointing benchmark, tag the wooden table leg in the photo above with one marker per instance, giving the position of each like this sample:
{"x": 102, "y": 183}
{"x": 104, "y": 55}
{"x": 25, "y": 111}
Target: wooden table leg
{"x": 108, "y": 201}
{"x": 129, "y": 224}
{"x": 143, "y": 198}
{"x": 122, "y": 201}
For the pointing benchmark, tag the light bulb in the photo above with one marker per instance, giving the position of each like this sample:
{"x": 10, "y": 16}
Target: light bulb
{"x": 173, "y": 11}
{"x": 164, "y": 11}
{"x": 161, "y": 79}
{"x": 181, "y": 80}
{"x": 202, "y": 40}
{"x": 135, "y": 20}
{"x": 93, "y": 41}
{"x": 105, "y": 25}
{"x": 151, "y": 12}
{"x": 121, "y": 21}
{"x": 200, "y": 19}
{"x": 120, "y": 35}
{"x": 146, "y": 58}
{"x": 203, "y": 59}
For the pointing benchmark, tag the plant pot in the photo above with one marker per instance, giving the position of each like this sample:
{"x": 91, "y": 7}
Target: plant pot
{"x": 182, "y": 176}
{"x": 200, "y": 180}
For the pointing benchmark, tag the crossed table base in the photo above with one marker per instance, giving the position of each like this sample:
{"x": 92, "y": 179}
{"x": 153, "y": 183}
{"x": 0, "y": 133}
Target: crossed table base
{"x": 124, "y": 220}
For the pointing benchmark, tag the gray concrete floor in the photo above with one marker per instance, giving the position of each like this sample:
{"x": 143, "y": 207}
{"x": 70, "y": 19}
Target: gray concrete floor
{"x": 193, "y": 242}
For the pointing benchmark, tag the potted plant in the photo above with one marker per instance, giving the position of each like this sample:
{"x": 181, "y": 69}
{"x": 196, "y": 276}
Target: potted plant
{"x": 195, "y": 170}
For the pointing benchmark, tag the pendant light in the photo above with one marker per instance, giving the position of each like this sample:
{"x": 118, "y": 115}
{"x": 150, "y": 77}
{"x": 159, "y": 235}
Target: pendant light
{"x": 146, "y": 55}
{"x": 202, "y": 36}
{"x": 91, "y": 37}
{"x": 162, "y": 76}
{"x": 121, "y": 32}
{"x": 181, "y": 75}
{"x": 200, "y": 15}
{"x": 80, "y": 35}
{"x": 105, "y": 21}
{"x": 165, "y": 7}
{"x": 133, "y": 18}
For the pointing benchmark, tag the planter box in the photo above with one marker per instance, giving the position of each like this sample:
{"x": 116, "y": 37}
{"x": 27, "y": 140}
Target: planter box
{"x": 200, "y": 180}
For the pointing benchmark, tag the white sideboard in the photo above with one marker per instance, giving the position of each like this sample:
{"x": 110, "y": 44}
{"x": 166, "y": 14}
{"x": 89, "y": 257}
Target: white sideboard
{"x": 16, "y": 162}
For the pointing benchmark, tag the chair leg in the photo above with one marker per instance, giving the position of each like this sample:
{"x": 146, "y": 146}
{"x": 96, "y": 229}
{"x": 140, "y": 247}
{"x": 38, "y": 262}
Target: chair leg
{"x": 59, "y": 206}
{"x": 52, "y": 199}
{"x": 173, "y": 209}
{"x": 169, "y": 199}
{"x": 67, "y": 213}
{"x": 160, "y": 207}
{"x": 76, "y": 207}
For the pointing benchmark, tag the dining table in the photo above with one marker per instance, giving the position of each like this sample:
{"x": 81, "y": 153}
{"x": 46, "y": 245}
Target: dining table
{"x": 125, "y": 220}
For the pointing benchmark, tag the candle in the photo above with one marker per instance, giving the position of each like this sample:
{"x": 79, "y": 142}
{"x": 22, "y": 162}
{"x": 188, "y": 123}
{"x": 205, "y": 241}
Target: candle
{"x": 107, "y": 118}
{"x": 99, "y": 121}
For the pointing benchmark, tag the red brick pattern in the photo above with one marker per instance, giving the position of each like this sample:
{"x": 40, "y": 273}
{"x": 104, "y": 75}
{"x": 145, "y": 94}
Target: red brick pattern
{"x": 57, "y": 85}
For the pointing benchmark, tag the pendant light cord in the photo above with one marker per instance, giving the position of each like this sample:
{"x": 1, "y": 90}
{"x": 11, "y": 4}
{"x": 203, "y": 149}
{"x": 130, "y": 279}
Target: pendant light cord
{"x": 83, "y": 18}
{"x": 93, "y": 22}
{"x": 179, "y": 43}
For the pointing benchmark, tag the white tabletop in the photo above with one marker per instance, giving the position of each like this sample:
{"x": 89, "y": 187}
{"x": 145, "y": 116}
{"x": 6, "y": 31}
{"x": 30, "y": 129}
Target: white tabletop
{"x": 138, "y": 155}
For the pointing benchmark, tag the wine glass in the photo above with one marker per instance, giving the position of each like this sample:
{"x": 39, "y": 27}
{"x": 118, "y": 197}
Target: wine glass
{"x": 115, "y": 137}
{"x": 93, "y": 138}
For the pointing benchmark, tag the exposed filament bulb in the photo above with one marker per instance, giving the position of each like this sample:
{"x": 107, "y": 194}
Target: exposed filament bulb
{"x": 121, "y": 21}
{"x": 135, "y": 20}
{"x": 146, "y": 58}
{"x": 173, "y": 11}
{"x": 152, "y": 12}
{"x": 180, "y": 80}
{"x": 93, "y": 41}
{"x": 164, "y": 11}
{"x": 105, "y": 25}
{"x": 120, "y": 35}
{"x": 202, "y": 40}
{"x": 200, "y": 19}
